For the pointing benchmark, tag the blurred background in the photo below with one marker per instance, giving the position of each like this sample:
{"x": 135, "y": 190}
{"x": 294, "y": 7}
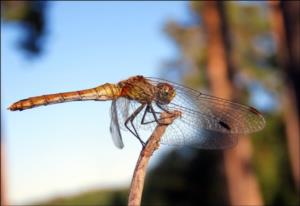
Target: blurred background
{"x": 63, "y": 154}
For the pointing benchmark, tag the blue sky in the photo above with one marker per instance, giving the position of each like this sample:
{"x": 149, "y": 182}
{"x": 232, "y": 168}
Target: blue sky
{"x": 66, "y": 148}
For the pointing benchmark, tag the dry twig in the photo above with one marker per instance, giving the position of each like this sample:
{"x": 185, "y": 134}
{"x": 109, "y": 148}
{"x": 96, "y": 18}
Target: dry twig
{"x": 152, "y": 144}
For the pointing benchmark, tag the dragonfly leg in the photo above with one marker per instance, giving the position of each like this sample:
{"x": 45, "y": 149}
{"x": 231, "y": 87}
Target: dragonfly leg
{"x": 130, "y": 119}
{"x": 150, "y": 109}
{"x": 144, "y": 115}
{"x": 154, "y": 114}
{"x": 165, "y": 110}
{"x": 153, "y": 111}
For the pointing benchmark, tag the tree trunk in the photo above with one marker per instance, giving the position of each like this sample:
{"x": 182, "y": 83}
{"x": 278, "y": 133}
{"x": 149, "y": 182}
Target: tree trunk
{"x": 242, "y": 183}
{"x": 286, "y": 25}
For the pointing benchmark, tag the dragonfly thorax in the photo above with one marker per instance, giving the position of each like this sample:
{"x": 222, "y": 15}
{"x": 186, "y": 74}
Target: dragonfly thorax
{"x": 139, "y": 89}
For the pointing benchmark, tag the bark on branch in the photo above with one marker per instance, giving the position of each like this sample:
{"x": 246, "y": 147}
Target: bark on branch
{"x": 137, "y": 183}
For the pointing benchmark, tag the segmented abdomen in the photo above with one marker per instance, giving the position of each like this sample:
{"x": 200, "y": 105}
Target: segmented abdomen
{"x": 100, "y": 93}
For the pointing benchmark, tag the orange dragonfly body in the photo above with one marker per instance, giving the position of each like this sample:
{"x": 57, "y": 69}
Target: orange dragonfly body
{"x": 129, "y": 89}
{"x": 206, "y": 122}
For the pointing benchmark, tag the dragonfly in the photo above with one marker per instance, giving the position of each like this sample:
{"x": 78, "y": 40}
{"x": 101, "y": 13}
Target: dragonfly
{"x": 206, "y": 122}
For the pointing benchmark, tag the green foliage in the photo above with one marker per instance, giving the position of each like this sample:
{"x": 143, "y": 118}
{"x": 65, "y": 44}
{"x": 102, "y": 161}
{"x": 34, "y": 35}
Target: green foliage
{"x": 97, "y": 198}
{"x": 187, "y": 177}
{"x": 13, "y": 11}
{"x": 31, "y": 17}
{"x": 271, "y": 161}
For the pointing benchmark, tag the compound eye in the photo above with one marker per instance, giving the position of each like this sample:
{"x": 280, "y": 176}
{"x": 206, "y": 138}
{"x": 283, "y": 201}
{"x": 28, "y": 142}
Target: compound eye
{"x": 165, "y": 93}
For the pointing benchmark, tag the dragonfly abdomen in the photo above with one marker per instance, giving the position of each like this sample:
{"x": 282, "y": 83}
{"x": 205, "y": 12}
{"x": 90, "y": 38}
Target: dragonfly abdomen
{"x": 100, "y": 93}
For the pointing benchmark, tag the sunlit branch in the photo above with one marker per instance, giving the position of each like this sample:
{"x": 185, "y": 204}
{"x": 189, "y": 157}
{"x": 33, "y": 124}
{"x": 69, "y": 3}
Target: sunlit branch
{"x": 152, "y": 144}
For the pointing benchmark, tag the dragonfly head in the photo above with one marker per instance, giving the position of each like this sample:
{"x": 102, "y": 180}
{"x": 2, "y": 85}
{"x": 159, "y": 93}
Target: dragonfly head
{"x": 165, "y": 93}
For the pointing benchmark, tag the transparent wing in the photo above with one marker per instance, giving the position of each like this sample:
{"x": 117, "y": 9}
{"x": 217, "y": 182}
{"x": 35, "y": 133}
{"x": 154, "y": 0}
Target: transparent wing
{"x": 122, "y": 105}
{"x": 126, "y": 107}
{"x": 214, "y": 113}
{"x": 181, "y": 133}
{"x": 208, "y": 122}
{"x": 115, "y": 126}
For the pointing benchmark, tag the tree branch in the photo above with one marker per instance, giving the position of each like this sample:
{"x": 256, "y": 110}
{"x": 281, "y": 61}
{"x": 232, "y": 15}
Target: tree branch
{"x": 137, "y": 184}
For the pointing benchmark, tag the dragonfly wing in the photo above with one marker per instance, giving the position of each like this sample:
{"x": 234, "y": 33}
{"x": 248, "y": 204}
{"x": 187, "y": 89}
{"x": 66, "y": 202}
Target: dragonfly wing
{"x": 212, "y": 113}
{"x": 215, "y": 114}
{"x": 185, "y": 131}
{"x": 115, "y": 126}
{"x": 208, "y": 122}
{"x": 126, "y": 107}
{"x": 181, "y": 133}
